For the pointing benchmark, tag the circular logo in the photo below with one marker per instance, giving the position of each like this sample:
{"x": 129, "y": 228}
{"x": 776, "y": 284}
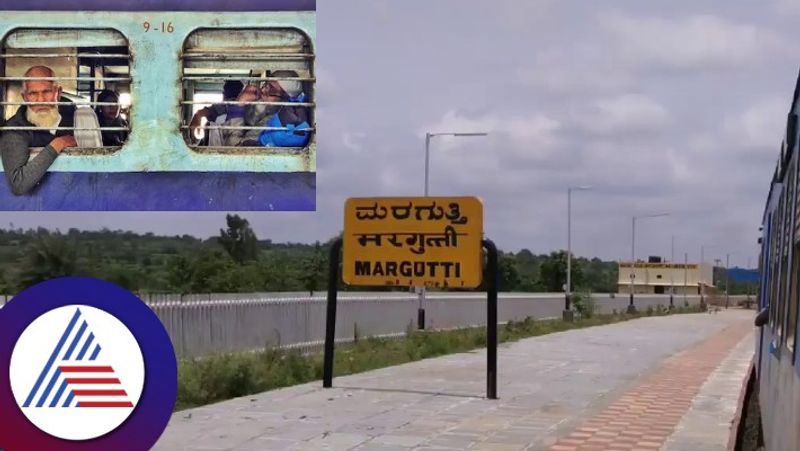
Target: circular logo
{"x": 77, "y": 372}
{"x": 90, "y": 367}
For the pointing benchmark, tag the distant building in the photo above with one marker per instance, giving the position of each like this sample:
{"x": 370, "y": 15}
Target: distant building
{"x": 657, "y": 277}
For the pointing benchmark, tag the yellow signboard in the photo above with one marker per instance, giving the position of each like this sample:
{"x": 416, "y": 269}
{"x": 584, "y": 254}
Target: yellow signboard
{"x": 660, "y": 265}
{"x": 413, "y": 241}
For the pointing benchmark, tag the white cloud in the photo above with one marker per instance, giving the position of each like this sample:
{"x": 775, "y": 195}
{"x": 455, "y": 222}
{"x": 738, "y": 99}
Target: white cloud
{"x": 682, "y": 169}
{"x": 692, "y": 42}
{"x": 535, "y": 129}
{"x": 552, "y": 81}
{"x": 353, "y": 141}
{"x": 638, "y": 166}
{"x": 524, "y": 15}
{"x": 624, "y": 114}
{"x": 703, "y": 142}
{"x": 532, "y": 130}
{"x": 326, "y": 85}
{"x": 454, "y": 121}
{"x": 760, "y": 125}
{"x": 787, "y": 6}
{"x": 580, "y": 68}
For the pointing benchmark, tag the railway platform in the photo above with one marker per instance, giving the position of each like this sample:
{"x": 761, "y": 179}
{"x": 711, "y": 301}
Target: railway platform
{"x": 669, "y": 383}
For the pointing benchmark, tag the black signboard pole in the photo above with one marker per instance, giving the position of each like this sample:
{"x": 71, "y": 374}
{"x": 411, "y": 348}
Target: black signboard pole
{"x": 330, "y": 319}
{"x": 491, "y": 317}
{"x": 491, "y": 320}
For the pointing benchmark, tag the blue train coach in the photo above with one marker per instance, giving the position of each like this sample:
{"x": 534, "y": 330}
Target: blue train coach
{"x": 776, "y": 369}
{"x": 178, "y": 104}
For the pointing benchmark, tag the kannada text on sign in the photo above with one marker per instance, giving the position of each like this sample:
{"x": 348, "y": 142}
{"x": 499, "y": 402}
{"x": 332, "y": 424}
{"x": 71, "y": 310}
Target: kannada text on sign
{"x": 413, "y": 241}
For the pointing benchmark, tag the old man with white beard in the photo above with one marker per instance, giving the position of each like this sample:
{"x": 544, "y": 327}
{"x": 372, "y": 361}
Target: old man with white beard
{"x": 53, "y": 134}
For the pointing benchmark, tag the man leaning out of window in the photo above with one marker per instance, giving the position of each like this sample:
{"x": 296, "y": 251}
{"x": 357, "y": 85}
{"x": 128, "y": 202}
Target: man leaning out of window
{"x": 52, "y": 134}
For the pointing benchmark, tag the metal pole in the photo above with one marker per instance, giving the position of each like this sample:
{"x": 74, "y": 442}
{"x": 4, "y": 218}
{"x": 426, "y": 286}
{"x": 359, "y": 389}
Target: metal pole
{"x": 568, "y": 314}
{"x": 427, "y": 160}
{"x": 748, "y": 284}
{"x": 330, "y": 319}
{"x": 491, "y": 320}
{"x": 568, "y": 289}
{"x": 631, "y": 308}
{"x": 727, "y": 276}
{"x": 672, "y": 275}
{"x": 700, "y": 275}
{"x": 685, "y": 276}
{"x": 423, "y": 292}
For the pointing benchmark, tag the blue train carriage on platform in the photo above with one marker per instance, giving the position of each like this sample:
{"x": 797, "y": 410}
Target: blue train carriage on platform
{"x": 157, "y": 67}
{"x": 776, "y": 363}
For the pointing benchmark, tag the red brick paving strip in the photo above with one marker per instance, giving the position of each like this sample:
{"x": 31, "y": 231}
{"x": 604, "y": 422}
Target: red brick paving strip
{"x": 643, "y": 417}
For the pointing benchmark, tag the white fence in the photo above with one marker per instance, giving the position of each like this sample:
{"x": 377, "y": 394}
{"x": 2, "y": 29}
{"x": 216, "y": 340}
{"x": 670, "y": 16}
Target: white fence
{"x": 202, "y": 324}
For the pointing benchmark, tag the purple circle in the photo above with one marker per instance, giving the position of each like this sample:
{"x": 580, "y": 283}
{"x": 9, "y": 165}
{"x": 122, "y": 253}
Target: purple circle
{"x": 150, "y": 416}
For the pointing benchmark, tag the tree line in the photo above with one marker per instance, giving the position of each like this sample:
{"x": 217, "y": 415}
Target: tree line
{"x": 236, "y": 260}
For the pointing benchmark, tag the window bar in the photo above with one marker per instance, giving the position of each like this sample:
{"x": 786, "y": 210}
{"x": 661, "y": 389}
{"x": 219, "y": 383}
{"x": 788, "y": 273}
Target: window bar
{"x": 6, "y": 127}
{"x": 240, "y": 149}
{"x": 245, "y": 127}
{"x": 62, "y": 55}
{"x": 244, "y": 103}
{"x": 254, "y": 55}
{"x": 233, "y": 77}
{"x": 63, "y": 103}
{"x": 65, "y": 78}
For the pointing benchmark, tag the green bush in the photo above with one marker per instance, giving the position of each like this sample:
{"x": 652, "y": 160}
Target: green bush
{"x": 218, "y": 377}
{"x": 584, "y": 303}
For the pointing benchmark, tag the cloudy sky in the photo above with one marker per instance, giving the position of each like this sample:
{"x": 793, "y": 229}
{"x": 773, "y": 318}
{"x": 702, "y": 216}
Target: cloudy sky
{"x": 674, "y": 106}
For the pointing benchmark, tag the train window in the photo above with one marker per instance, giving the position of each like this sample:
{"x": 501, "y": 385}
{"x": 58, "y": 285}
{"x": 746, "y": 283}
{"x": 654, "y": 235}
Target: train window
{"x": 767, "y": 274}
{"x": 91, "y": 69}
{"x": 791, "y": 326}
{"x": 797, "y": 209}
{"x": 782, "y": 254}
{"x": 786, "y": 247}
{"x": 760, "y": 298}
{"x": 247, "y": 90}
{"x": 773, "y": 270}
{"x": 789, "y": 278}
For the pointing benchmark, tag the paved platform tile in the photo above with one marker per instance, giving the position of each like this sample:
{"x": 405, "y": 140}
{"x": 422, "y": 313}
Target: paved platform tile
{"x": 647, "y": 415}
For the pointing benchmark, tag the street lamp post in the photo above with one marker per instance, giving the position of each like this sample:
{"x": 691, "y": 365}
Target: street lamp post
{"x": 685, "y": 278}
{"x": 631, "y": 307}
{"x": 700, "y": 277}
{"x": 428, "y": 136}
{"x": 568, "y": 314}
{"x": 703, "y": 284}
{"x": 727, "y": 276}
{"x": 672, "y": 275}
{"x": 749, "y": 262}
